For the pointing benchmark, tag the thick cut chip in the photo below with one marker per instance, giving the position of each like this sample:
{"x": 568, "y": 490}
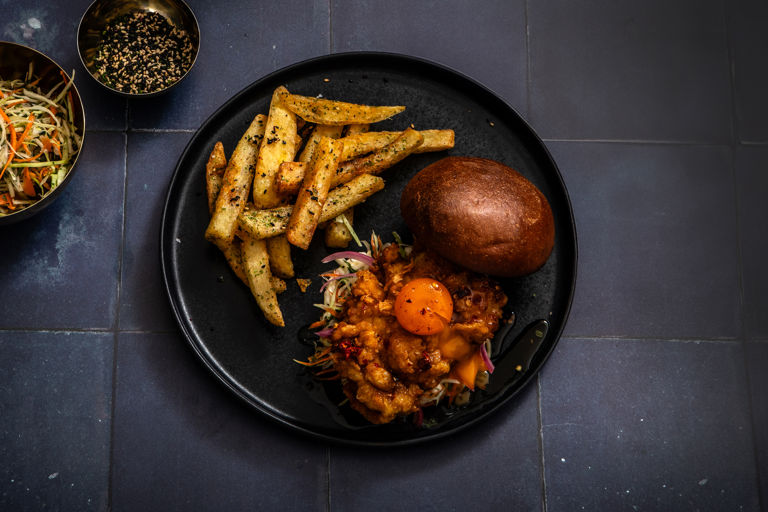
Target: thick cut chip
{"x": 320, "y": 131}
{"x": 324, "y": 111}
{"x": 289, "y": 177}
{"x": 214, "y": 174}
{"x": 279, "y": 145}
{"x": 314, "y": 192}
{"x": 274, "y": 221}
{"x": 256, "y": 265}
{"x": 353, "y": 129}
{"x": 361, "y": 143}
{"x": 337, "y": 233}
{"x": 235, "y": 186}
{"x": 379, "y": 160}
{"x": 291, "y": 174}
{"x": 280, "y": 261}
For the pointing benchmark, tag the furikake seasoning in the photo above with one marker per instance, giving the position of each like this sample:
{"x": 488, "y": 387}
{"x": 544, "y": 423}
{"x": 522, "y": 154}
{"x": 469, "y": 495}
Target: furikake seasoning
{"x": 142, "y": 52}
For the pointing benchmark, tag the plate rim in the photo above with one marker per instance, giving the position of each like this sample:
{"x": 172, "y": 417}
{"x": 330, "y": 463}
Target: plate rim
{"x": 222, "y": 376}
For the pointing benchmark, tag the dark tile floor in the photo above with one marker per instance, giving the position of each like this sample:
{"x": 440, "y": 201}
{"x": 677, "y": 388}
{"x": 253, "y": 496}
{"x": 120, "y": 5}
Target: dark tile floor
{"x": 654, "y": 400}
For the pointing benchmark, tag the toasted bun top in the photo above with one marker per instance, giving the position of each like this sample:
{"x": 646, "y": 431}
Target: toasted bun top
{"x": 480, "y": 214}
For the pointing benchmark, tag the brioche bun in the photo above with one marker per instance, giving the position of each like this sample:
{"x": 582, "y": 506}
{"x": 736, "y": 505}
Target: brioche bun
{"x": 481, "y": 215}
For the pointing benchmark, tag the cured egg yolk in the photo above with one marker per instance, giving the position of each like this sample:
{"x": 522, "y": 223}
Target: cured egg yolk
{"x": 424, "y": 306}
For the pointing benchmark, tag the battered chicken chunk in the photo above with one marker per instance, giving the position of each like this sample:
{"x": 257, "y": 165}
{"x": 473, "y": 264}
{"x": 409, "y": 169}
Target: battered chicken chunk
{"x": 384, "y": 368}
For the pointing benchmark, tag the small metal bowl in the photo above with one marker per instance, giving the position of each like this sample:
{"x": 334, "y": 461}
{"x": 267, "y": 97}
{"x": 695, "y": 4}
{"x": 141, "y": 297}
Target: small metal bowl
{"x": 14, "y": 64}
{"x": 102, "y": 12}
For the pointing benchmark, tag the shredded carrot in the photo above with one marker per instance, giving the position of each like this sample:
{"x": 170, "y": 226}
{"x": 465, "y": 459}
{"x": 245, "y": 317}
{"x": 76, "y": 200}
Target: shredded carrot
{"x": 30, "y": 122}
{"x": 11, "y": 129}
{"x": 47, "y": 146}
{"x": 7, "y": 201}
{"x": 27, "y": 184}
{"x": 30, "y": 159}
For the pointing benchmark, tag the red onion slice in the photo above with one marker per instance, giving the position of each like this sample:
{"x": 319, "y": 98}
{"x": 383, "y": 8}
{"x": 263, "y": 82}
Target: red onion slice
{"x": 487, "y": 360}
{"x": 350, "y": 255}
{"x": 324, "y": 333}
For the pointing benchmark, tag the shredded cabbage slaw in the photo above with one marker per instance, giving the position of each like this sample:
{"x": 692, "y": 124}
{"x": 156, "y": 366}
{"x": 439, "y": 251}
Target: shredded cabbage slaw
{"x": 38, "y": 139}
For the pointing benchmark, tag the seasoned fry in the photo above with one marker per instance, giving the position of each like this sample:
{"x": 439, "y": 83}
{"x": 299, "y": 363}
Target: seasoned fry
{"x": 337, "y": 234}
{"x": 264, "y": 223}
{"x": 278, "y": 284}
{"x": 214, "y": 174}
{"x": 291, "y": 174}
{"x": 321, "y": 130}
{"x": 280, "y": 257}
{"x": 354, "y": 129}
{"x": 268, "y": 223}
{"x": 324, "y": 111}
{"x": 289, "y": 177}
{"x": 235, "y": 185}
{"x": 256, "y": 264}
{"x": 379, "y": 160}
{"x": 279, "y": 145}
{"x": 362, "y": 143}
{"x": 335, "y": 171}
{"x": 436, "y": 140}
{"x": 352, "y": 193}
{"x": 214, "y": 170}
{"x": 314, "y": 192}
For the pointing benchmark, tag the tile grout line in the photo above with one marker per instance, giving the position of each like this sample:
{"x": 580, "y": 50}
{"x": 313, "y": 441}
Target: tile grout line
{"x": 650, "y": 142}
{"x": 746, "y": 143}
{"x": 330, "y": 26}
{"x": 116, "y": 326}
{"x": 632, "y": 339}
{"x": 731, "y": 74}
{"x": 735, "y": 144}
{"x": 541, "y": 444}
{"x": 528, "y": 73}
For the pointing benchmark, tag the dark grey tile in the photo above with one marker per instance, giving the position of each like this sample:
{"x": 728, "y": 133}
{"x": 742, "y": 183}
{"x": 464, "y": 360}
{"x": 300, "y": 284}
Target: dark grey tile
{"x": 55, "y": 401}
{"x": 181, "y": 441}
{"x": 240, "y": 43}
{"x": 633, "y": 71}
{"x": 152, "y": 159}
{"x": 647, "y": 425}
{"x": 51, "y": 28}
{"x": 454, "y": 33}
{"x": 74, "y": 242}
{"x": 752, "y": 182}
{"x": 757, "y": 367}
{"x": 493, "y": 466}
{"x": 657, "y": 240}
{"x": 747, "y": 20}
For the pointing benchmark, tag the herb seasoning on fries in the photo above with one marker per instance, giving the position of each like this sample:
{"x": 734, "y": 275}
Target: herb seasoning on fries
{"x": 300, "y": 180}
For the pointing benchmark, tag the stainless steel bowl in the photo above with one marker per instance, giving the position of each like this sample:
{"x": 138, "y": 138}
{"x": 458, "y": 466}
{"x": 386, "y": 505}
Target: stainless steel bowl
{"x": 102, "y": 12}
{"x": 14, "y": 63}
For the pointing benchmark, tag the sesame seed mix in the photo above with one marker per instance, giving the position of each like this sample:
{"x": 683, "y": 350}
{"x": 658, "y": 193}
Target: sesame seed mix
{"x": 142, "y": 52}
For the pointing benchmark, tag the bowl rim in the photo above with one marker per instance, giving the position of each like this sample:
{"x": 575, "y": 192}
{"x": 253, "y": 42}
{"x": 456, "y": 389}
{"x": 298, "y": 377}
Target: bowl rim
{"x": 146, "y": 94}
{"x": 42, "y": 203}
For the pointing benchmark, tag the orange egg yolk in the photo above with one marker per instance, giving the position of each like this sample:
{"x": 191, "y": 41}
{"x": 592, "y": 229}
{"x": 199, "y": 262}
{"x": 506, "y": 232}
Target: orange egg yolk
{"x": 424, "y": 306}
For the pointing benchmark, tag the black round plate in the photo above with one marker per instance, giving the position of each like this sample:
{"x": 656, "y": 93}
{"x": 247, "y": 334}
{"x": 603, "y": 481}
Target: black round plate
{"x": 255, "y": 360}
